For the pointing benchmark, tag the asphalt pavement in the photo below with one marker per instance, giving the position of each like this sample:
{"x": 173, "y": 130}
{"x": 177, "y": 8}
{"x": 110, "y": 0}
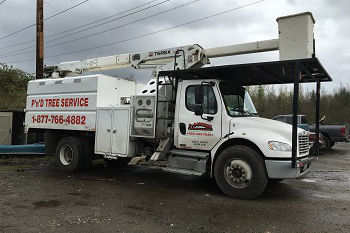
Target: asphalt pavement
{"x": 36, "y": 197}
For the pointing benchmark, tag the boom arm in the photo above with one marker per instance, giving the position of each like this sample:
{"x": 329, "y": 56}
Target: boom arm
{"x": 185, "y": 57}
{"x": 295, "y": 41}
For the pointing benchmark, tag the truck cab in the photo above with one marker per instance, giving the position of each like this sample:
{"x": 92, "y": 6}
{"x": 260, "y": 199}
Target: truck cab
{"x": 216, "y": 119}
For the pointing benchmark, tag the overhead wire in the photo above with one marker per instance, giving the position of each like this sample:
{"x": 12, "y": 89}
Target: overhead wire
{"x": 14, "y": 53}
{"x": 50, "y": 17}
{"x": 84, "y": 25}
{"x": 2, "y": 2}
{"x": 147, "y": 34}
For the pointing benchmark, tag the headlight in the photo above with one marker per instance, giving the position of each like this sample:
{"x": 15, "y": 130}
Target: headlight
{"x": 279, "y": 146}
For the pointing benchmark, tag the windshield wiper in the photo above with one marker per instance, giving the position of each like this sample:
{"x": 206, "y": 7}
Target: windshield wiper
{"x": 241, "y": 110}
{"x": 247, "y": 112}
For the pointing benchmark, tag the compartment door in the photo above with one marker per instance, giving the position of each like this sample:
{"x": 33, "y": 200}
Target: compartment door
{"x": 103, "y": 131}
{"x": 120, "y": 133}
{"x": 5, "y": 128}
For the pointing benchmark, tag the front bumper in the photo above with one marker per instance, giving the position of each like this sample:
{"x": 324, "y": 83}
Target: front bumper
{"x": 282, "y": 169}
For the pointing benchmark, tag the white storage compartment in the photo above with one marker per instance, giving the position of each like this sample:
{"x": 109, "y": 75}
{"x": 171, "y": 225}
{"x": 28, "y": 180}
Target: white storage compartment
{"x": 112, "y": 132}
{"x": 143, "y": 116}
{"x": 70, "y": 103}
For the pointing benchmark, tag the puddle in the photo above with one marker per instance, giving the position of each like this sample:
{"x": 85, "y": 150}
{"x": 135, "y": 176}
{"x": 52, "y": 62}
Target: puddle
{"x": 83, "y": 195}
{"x": 331, "y": 176}
{"x": 46, "y": 204}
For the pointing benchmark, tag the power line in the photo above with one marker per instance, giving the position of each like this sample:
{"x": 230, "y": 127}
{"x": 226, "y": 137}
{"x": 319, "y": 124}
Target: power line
{"x": 2, "y": 2}
{"x": 14, "y": 53}
{"x": 110, "y": 21}
{"x": 32, "y": 25}
{"x": 68, "y": 9}
{"x": 108, "y": 17}
{"x": 150, "y": 33}
{"x": 84, "y": 25}
{"x": 33, "y": 46}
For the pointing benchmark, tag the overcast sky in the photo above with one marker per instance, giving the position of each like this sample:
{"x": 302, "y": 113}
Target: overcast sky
{"x": 252, "y": 23}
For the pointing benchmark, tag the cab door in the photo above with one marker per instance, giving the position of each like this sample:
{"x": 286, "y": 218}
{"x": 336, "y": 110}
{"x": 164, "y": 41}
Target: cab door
{"x": 198, "y": 116}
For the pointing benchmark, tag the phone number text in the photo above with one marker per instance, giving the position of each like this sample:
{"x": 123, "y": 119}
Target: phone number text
{"x": 59, "y": 119}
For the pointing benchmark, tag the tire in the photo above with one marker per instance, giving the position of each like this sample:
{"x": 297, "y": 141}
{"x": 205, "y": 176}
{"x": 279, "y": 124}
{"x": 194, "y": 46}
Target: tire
{"x": 312, "y": 151}
{"x": 70, "y": 154}
{"x": 88, "y": 153}
{"x": 235, "y": 164}
{"x": 332, "y": 144}
{"x": 121, "y": 161}
{"x": 327, "y": 142}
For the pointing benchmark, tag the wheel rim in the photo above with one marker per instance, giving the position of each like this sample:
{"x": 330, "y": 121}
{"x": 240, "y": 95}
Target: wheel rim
{"x": 238, "y": 173}
{"x": 66, "y": 154}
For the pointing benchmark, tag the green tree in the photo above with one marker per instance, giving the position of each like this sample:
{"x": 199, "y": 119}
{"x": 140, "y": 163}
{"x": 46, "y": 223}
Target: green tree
{"x": 13, "y": 88}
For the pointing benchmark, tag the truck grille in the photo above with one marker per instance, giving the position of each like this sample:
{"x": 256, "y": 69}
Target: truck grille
{"x": 303, "y": 144}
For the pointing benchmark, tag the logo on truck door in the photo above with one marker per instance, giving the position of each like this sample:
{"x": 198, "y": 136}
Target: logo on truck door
{"x": 200, "y": 126}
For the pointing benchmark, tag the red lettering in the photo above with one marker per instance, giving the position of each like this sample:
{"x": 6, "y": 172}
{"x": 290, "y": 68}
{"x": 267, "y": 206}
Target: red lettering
{"x": 33, "y": 102}
{"x": 86, "y": 102}
{"x": 75, "y": 100}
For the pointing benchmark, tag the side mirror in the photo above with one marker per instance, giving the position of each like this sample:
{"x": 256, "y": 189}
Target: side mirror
{"x": 198, "y": 95}
{"x": 198, "y": 110}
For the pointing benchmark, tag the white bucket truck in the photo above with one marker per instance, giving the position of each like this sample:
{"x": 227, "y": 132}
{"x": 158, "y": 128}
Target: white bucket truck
{"x": 199, "y": 120}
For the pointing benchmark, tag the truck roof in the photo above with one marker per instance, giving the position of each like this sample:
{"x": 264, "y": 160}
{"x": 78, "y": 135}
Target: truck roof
{"x": 262, "y": 73}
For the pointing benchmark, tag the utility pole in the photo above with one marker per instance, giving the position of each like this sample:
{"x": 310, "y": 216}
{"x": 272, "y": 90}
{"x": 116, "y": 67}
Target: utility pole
{"x": 39, "y": 39}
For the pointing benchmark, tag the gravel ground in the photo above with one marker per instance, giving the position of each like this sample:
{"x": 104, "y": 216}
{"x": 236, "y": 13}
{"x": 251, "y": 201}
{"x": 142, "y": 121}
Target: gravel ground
{"x": 36, "y": 197}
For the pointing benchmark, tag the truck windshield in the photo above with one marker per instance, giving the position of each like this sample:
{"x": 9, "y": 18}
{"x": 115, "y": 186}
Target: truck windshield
{"x": 237, "y": 100}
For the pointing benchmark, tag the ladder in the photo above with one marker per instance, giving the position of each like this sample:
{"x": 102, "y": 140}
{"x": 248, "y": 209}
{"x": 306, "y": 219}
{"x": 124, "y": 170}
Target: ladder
{"x": 166, "y": 117}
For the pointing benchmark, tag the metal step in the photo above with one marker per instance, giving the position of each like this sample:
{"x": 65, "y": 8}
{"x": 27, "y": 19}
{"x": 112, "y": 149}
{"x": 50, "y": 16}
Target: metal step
{"x": 183, "y": 171}
{"x": 191, "y": 153}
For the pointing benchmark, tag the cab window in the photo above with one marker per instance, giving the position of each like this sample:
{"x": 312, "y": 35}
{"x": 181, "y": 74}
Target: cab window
{"x": 209, "y": 104}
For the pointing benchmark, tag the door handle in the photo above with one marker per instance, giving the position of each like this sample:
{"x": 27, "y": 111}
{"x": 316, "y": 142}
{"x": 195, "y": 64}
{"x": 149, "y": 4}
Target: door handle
{"x": 182, "y": 128}
{"x": 114, "y": 131}
{"x": 108, "y": 130}
{"x": 207, "y": 118}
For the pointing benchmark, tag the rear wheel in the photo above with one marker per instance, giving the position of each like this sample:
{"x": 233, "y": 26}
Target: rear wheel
{"x": 240, "y": 172}
{"x": 88, "y": 153}
{"x": 70, "y": 154}
{"x": 332, "y": 144}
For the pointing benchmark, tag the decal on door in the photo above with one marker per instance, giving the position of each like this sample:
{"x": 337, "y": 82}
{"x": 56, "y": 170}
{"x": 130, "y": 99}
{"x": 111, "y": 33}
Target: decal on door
{"x": 200, "y": 126}
{"x": 200, "y": 129}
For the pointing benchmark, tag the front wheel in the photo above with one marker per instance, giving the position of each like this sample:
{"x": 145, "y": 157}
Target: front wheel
{"x": 240, "y": 172}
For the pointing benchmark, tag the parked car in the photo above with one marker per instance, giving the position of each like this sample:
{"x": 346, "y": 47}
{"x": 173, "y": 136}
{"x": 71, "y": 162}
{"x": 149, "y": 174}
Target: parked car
{"x": 304, "y": 124}
{"x": 332, "y": 133}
